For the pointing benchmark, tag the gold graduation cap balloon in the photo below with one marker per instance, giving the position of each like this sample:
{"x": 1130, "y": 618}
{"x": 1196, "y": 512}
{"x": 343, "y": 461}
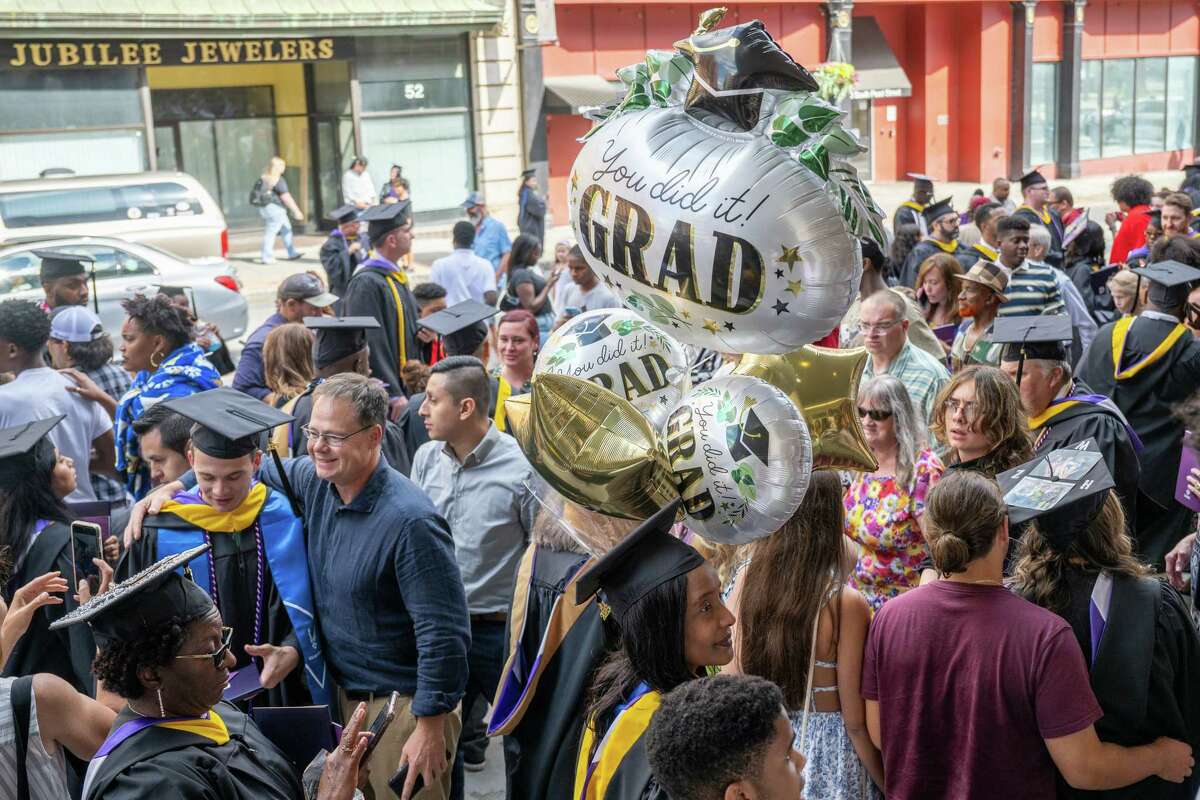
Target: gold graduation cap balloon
{"x": 592, "y": 446}
{"x": 823, "y": 383}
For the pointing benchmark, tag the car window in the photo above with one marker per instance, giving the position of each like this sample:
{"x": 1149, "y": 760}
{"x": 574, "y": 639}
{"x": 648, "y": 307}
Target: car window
{"x": 19, "y": 273}
{"x": 97, "y": 204}
{"x": 111, "y": 262}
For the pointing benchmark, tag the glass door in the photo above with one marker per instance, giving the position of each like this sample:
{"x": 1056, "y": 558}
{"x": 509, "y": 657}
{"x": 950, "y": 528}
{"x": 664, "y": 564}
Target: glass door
{"x": 860, "y": 123}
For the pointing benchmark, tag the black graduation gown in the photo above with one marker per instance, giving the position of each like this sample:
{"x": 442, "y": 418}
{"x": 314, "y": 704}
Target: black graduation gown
{"x": 925, "y": 248}
{"x": 1145, "y": 674}
{"x": 906, "y": 215}
{"x": 339, "y": 263}
{"x": 369, "y": 295}
{"x": 1054, "y": 256}
{"x": 532, "y": 218}
{"x": 236, "y": 560}
{"x": 548, "y": 731}
{"x": 164, "y": 763}
{"x": 1099, "y": 303}
{"x": 1084, "y": 421}
{"x": 394, "y": 449}
{"x": 67, "y": 652}
{"x": 1147, "y": 399}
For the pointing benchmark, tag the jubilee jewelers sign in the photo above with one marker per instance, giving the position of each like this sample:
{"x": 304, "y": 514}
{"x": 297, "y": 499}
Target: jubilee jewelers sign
{"x": 170, "y": 52}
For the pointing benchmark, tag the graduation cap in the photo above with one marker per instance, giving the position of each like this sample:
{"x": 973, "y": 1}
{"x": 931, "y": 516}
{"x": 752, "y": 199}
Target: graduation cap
{"x": 1099, "y": 278}
{"x": 383, "y": 219}
{"x": 1192, "y": 167}
{"x": 589, "y": 331}
{"x": 1155, "y": 217}
{"x": 1170, "y": 282}
{"x": 748, "y": 438}
{"x": 137, "y": 605}
{"x": 343, "y": 214}
{"x": 1032, "y": 337}
{"x": 920, "y": 180}
{"x": 57, "y": 264}
{"x": 937, "y": 210}
{"x": 227, "y": 421}
{"x": 1063, "y": 490}
{"x": 1031, "y": 178}
{"x": 646, "y": 559}
{"x": 1076, "y": 228}
{"x": 461, "y": 326}
{"x": 338, "y": 337}
{"x": 528, "y": 173}
{"x": 20, "y": 439}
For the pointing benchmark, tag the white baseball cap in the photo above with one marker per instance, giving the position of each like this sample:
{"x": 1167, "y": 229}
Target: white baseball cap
{"x": 75, "y": 324}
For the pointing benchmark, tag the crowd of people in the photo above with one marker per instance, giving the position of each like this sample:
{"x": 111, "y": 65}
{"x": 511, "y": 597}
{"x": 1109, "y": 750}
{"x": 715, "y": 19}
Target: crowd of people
{"x": 344, "y": 522}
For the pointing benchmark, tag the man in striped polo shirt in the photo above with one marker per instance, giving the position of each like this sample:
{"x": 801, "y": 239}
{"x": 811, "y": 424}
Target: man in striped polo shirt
{"x": 1032, "y": 289}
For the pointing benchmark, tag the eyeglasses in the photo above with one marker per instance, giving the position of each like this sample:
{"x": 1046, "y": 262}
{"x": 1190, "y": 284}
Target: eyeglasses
{"x": 874, "y": 413}
{"x": 331, "y": 439}
{"x": 882, "y": 327}
{"x": 218, "y": 658}
{"x": 954, "y": 406}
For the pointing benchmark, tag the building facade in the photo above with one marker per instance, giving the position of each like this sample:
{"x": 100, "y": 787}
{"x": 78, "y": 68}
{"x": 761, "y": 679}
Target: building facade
{"x": 217, "y": 90}
{"x": 966, "y": 90}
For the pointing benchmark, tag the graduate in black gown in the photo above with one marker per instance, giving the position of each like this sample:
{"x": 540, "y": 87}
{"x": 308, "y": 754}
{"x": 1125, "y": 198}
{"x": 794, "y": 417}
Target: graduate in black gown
{"x": 942, "y": 222}
{"x": 343, "y": 251}
{"x": 555, "y": 644}
{"x": 35, "y": 538}
{"x": 341, "y": 346}
{"x": 379, "y": 289}
{"x": 909, "y": 212}
{"x": 1139, "y": 643}
{"x": 257, "y": 570}
{"x": 1064, "y": 411}
{"x": 1036, "y": 211}
{"x": 1148, "y": 364}
{"x": 665, "y": 600}
{"x": 163, "y": 649}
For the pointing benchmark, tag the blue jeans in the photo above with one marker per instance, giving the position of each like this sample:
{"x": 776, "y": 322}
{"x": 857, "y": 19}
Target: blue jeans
{"x": 276, "y": 224}
{"x": 485, "y": 662}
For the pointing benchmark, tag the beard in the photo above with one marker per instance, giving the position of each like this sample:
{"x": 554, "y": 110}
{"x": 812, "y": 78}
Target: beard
{"x": 967, "y": 310}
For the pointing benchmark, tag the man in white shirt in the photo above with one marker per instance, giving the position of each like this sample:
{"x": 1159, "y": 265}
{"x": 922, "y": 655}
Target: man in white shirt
{"x": 464, "y": 275}
{"x": 586, "y": 293}
{"x": 39, "y": 392}
{"x": 357, "y": 188}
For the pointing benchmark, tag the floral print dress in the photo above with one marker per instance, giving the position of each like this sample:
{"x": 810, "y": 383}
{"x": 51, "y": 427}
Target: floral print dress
{"x": 882, "y": 518}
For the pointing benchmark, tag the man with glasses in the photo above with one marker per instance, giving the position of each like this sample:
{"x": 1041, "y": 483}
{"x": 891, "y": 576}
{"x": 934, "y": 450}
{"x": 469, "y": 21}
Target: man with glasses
{"x": 942, "y": 222}
{"x": 255, "y": 571}
{"x": 387, "y": 589}
{"x": 379, "y": 289}
{"x": 299, "y": 296}
{"x": 885, "y": 334}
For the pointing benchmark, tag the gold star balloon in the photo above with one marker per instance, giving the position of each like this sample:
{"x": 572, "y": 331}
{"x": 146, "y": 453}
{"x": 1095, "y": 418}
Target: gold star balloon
{"x": 823, "y": 383}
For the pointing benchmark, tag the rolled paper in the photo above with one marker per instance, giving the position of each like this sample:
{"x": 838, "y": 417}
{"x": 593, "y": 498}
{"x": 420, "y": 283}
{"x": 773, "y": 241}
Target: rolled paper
{"x": 822, "y": 383}
{"x": 595, "y": 448}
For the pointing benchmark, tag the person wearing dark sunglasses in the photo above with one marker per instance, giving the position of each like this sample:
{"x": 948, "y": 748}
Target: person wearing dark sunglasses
{"x": 884, "y": 507}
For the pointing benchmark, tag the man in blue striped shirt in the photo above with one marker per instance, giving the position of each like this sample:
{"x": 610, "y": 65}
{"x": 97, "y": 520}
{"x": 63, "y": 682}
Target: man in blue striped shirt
{"x": 1032, "y": 289}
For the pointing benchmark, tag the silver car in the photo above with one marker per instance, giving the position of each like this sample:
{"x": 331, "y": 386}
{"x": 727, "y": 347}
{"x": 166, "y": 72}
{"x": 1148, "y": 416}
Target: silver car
{"x": 125, "y": 268}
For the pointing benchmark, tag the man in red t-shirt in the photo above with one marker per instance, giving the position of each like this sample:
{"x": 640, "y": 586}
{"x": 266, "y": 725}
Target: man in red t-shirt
{"x": 1132, "y": 194}
{"x": 974, "y": 692}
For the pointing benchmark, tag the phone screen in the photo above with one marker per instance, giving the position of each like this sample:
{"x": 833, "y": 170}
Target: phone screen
{"x": 87, "y": 542}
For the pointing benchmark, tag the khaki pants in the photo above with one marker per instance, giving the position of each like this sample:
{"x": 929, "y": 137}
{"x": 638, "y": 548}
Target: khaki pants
{"x": 385, "y": 759}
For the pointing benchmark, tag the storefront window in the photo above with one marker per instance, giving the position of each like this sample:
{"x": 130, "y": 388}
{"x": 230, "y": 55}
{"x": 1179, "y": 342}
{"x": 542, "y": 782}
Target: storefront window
{"x": 69, "y": 99}
{"x": 24, "y": 156}
{"x": 1043, "y": 113}
{"x": 1150, "y": 110}
{"x": 1116, "y": 109}
{"x": 1181, "y": 101}
{"x": 416, "y": 100}
{"x": 1089, "y": 108}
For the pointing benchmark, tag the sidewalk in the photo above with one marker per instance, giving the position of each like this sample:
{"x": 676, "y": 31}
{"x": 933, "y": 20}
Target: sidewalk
{"x": 433, "y": 242}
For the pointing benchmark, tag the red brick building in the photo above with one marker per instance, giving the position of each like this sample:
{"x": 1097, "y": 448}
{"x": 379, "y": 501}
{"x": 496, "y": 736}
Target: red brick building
{"x": 965, "y": 90}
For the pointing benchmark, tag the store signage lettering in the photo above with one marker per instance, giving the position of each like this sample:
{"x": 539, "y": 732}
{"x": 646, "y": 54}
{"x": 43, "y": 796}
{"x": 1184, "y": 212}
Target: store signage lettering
{"x": 171, "y": 52}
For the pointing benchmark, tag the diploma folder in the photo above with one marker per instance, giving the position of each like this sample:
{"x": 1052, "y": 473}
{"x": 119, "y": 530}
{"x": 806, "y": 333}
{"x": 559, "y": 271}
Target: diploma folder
{"x": 299, "y": 731}
{"x": 1189, "y": 459}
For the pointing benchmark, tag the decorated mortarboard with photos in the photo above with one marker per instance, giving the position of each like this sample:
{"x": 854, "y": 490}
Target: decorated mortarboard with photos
{"x": 1055, "y": 481}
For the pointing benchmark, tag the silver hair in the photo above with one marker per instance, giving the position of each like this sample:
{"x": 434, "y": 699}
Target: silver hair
{"x": 1047, "y": 364}
{"x": 1040, "y": 235}
{"x": 892, "y": 298}
{"x": 369, "y": 399}
{"x": 890, "y": 394}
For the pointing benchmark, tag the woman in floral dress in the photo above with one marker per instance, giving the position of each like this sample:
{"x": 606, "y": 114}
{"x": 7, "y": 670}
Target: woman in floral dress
{"x": 884, "y": 507}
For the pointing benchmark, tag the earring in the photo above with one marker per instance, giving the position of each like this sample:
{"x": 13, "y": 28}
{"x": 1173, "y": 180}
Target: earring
{"x": 162, "y": 712}
{"x": 153, "y": 363}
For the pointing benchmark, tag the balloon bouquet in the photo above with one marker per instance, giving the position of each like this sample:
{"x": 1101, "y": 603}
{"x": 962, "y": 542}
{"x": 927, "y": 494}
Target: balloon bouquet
{"x": 715, "y": 200}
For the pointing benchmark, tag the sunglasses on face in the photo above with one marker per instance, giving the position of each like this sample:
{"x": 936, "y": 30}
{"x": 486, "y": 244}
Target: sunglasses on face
{"x": 218, "y": 657}
{"x": 874, "y": 413}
